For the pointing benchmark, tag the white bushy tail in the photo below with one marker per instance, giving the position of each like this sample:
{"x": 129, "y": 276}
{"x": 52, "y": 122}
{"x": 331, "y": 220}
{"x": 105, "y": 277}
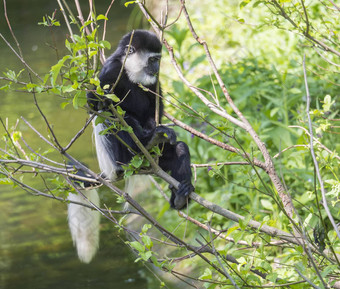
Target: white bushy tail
{"x": 136, "y": 184}
{"x": 84, "y": 224}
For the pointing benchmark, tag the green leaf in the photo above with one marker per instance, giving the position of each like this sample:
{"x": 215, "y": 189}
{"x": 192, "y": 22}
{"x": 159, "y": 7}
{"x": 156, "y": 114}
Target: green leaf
{"x": 295, "y": 90}
{"x": 232, "y": 229}
{"x": 249, "y": 239}
{"x": 55, "y": 70}
{"x": 67, "y": 88}
{"x": 328, "y": 270}
{"x": 68, "y": 45}
{"x": 146, "y": 256}
{"x": 274, "y": 111}
{"x": 244, "y": 3}
{"x": 127, "y": 173}
{"x": 267, "y": 205}
{"x": 156, "y": 150}
{"x": 237, "y": 236}
{"x": 16, "y": 136}
{"x": 129, "y": 3}
{"x": 92, "y": 53}
{"x": 253, "y": 278}
{"x": 147, "y": 241}
{"x": 75, "y": 84}
{"x": 146, "y": 228}
{"x": 64, "y": 104}
{"x": 120, "y": 111}
{"x": 6, "y": 87}
{"x": 327, "y": 103}
{"x": 79, "y": 99}
{"x": 266, "y": 266}
{"x": 95, "y": 81}
{"x": 5, "y": 181}
{"x": 244, "y": 223}
{"x": 30, "y": 86}
{"x": 112, "y": 97}
{"x": 257, "y": 3}
{"x": 136, "y": 162}
{"x": 12, "y": 75}
{"x": 105, "y": 44}
{"x": 197, "y": 61}
{"x": 101, "y": 17}
{"x": 207, "y": 274}
{"x": 137, "y": 246}
{"x": 44, "y": 22}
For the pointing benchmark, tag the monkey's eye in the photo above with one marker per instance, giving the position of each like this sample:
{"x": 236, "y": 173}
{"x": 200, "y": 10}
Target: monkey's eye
{"x": 129, "y": 49}
{"x": 154, "y": 58}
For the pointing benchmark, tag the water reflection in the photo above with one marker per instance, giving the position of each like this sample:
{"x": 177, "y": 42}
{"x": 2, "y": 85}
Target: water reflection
{"x": 36, "y": 249}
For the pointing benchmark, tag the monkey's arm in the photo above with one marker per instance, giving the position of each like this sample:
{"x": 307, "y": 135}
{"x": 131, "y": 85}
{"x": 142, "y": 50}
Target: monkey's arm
{"x": 149, "y": 134}
{"x": 98, "y": 102}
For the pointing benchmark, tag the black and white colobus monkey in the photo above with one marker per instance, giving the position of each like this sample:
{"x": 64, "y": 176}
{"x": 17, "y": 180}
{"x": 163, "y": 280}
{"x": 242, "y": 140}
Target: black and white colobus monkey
{"x": 141, "y": 51}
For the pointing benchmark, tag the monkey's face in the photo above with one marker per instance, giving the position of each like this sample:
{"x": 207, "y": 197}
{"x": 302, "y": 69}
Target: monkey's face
{"x": 141, "y": 66}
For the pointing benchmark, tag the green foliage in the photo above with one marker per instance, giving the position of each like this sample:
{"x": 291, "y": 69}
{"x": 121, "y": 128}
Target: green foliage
{"x": 49, "y": 21}
{"x": 267, "y": 84}
{"x": 74, "y": 72}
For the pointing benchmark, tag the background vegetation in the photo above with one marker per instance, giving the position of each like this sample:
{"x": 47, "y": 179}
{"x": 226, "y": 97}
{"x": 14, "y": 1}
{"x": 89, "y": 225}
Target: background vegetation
{"x": 255, "y": 95}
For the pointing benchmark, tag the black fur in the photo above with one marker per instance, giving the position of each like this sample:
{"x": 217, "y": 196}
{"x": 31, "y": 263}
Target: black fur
{"x": 139, "y": 106}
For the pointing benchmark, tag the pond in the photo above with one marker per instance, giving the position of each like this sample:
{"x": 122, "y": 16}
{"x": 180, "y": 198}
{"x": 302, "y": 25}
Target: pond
{"x": 36, "y": 249}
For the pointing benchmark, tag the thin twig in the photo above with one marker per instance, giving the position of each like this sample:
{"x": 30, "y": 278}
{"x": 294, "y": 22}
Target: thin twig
{"x": 226, "y": 273}
{"x": 220, "y": 164}
{"x": 20, "y": 58}
{"x": 39, "y": 193}
{"x": 123, "y": 64}
{"x": 79, "y": 133}
{"x": 47, "y": 123}
{"x": 307, "y": 280}
{"x": 80, "y": 16}
{"x": 288, "y": 148}
{"x": 11, "y": 30}
{"x": 306, "y": 16}
{"x": 40, "y": 135}
{"x": 316, "y": 140}
{"x": 212, "y": 140}
{"x": 103, "y": 58}
{"x": 316, "y": 165}
{"x": 9, "y": 137}
{"x": 66, "y": 20}
{"x": 337, "y": 7}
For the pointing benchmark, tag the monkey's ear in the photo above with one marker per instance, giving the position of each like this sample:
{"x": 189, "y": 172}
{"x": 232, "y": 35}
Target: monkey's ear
{"x": 129, "y": 49}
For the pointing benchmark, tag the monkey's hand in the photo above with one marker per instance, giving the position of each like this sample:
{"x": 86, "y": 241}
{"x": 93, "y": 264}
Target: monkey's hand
{"x": 98, "y": 102}
{"x": 179, "y": 198}
{"x": 162, "y": 134}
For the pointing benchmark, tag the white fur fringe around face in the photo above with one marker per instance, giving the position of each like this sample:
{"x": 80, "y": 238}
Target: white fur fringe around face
{"x": 135, "y": 65}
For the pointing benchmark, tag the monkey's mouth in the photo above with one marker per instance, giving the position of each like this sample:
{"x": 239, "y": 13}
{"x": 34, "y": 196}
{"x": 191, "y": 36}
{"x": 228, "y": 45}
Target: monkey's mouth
{"x": 151, "y": 71}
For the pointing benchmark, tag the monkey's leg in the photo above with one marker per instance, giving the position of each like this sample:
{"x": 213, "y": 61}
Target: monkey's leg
{"x": 176, "y": 159}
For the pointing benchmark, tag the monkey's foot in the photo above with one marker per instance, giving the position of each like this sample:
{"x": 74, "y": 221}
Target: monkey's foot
{"x": 164, "y": 134}
{"x": 180, "y": 198}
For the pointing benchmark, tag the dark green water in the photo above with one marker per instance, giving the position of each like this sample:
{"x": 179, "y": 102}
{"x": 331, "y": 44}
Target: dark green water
{"x": 36, "y": 249}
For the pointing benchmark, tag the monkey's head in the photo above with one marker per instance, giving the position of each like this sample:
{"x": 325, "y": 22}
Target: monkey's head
{"x": 142, "y": 56}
